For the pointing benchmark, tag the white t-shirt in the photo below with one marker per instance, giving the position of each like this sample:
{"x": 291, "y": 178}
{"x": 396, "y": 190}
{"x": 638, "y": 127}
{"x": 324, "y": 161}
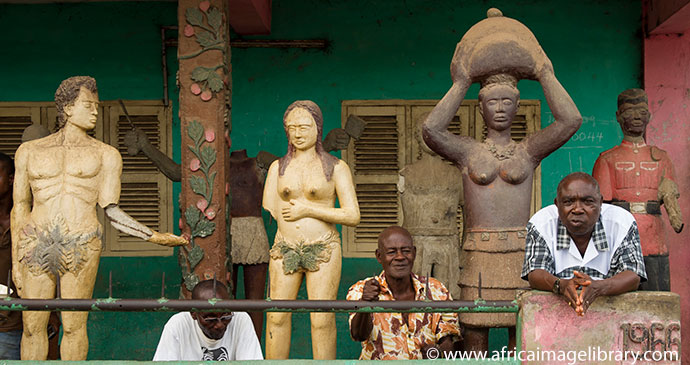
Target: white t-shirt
{"x": 182, "y": 339}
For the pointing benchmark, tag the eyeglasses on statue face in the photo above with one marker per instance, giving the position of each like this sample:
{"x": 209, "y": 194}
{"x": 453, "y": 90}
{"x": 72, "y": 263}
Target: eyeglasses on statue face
{"x": 211, "y": 319}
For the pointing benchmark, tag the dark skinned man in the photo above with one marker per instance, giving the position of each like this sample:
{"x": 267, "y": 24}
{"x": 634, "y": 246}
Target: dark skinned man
{"x": 580, "y": 243}
{"x": 196, "y": 336}
{"x": 387, "y": 336}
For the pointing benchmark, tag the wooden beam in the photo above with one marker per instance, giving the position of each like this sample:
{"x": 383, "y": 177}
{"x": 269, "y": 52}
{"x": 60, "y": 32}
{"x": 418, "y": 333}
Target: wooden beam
{"x": 667, "y": 16}
{"x": 250, "y": 16}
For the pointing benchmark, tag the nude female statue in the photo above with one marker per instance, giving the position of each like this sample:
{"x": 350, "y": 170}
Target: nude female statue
{"x": 300, "y": 193}
{"x": 497, "y": 173}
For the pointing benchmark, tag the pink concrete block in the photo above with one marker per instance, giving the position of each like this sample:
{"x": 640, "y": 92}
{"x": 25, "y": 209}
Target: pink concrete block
{"x": 615, "y": 330}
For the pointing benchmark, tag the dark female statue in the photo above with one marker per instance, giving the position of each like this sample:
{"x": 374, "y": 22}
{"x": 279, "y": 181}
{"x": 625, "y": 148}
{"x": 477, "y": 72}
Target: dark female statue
{"x": 497, "y": 173}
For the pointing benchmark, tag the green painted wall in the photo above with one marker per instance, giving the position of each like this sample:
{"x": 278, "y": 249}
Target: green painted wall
{"x": 377, "y": 50}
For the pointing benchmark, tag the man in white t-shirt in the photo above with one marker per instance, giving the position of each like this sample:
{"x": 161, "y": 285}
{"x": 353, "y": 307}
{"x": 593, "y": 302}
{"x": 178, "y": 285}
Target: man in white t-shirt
{"x": 209, "y": 336}
{"x": 581, "y": 243}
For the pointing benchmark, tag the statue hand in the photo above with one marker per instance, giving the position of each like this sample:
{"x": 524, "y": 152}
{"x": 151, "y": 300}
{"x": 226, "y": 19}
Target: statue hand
{"x": 296, "y": 210}
{"x": 458, "y": 72}
{"x": 336, "y": 139}
{"x": 167, "y": 239}
{"x": 135, "y": 140}
{"x": 543, "y": 68}
{"x": 17, "y": 279}
{"x": 676, "y": 222}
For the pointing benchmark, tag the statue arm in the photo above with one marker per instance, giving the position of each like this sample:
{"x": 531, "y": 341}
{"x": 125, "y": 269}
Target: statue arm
{"x": 602, "y": 174}
{"x": 435, "y": 129}
{"x": 361, "y": 326}
{"x": 270, "y": 197}
{"x": 668, "y": 194}
{"x": 567, "y": 119}
{"x": 21, "y": 209}
{"x": 137, "y": 140}
{"x": 347, "y": 214}
{"x": 123, "y": 222}
{"x": 109, "y": 195}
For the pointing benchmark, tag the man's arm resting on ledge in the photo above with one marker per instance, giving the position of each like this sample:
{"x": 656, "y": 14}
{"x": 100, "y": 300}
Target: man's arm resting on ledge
{"x": 620, "y": 283}
{"x": 591, "y": 289}
{"x": 543, "y": 280}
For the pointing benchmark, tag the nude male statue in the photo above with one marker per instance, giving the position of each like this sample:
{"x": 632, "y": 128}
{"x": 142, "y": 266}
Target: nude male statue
{"x": 58, "y": 238}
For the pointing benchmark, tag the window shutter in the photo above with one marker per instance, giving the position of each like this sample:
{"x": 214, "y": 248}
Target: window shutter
{"x": 145, "y": 192}
{"x": 13, "y": 121}
{"x": 375, "y": 161}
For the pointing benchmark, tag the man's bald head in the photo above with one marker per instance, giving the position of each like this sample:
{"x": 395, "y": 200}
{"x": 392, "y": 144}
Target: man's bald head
{"x": 396, "y": 252}
{"x": 385, "y": 235}
{"x": 578, "y": 176}
{"x": 205, "y": 290}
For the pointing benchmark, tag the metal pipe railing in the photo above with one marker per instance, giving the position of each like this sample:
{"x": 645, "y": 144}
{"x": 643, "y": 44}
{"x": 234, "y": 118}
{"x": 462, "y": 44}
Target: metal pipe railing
{"x": 217, "y": 305}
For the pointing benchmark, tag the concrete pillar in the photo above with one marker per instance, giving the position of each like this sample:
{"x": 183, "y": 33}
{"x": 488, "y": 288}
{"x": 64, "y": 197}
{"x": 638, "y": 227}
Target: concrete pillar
{"x": 667, "y": 83}
{"x": 204, "y": 80}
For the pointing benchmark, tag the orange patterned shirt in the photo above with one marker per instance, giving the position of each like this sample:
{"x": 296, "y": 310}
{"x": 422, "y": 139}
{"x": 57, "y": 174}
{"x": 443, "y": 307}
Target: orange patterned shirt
{"x": 393, "y": 339}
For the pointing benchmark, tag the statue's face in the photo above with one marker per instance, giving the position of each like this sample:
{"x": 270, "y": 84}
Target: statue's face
{"x": 498, "y": 106}
{"x": 84, "y": 111}
{"x": 633, "y": 118}
{"x": 301, "y": 128}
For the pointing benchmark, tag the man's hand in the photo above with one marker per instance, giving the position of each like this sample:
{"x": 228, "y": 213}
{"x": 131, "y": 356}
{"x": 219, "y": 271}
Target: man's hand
{"x": 167, "y": 239}
{"x": 444, "y": 345}
{"x": 371, "y": 290}
{"x": 590, "y": 291}
{"x": 569, "y": 290}
{"x": 336, "y": 139}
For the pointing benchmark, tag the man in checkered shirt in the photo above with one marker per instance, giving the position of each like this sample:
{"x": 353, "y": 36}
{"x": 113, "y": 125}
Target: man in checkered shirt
{"x": 581, "y": 243}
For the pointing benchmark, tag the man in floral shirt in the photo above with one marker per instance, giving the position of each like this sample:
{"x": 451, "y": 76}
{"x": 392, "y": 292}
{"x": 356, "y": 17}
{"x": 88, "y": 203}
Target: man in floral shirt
{"x": 389, "y": 336}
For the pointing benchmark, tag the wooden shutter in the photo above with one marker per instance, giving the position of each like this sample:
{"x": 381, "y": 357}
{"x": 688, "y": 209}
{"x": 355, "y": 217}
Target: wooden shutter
{"x": 13, "y": 121}
{"x": 375, "y": 161}
{"x": 145, "y": 192}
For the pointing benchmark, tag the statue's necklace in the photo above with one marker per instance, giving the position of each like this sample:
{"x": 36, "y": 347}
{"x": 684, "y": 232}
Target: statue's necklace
{"x": 500, "y": 152}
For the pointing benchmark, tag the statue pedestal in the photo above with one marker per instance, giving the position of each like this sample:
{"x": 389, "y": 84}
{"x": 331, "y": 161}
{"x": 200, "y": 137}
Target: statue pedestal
{"x": 631, "y": 323}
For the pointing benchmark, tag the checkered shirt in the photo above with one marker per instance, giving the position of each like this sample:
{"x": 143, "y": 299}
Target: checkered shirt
{"x": 628, "y": 255}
